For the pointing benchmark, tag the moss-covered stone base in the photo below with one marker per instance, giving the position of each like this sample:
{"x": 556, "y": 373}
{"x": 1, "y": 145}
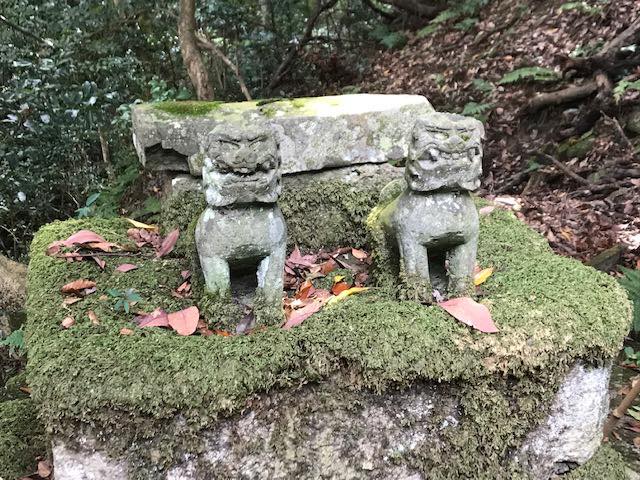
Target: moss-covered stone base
{"x": 21, "y": 439}
{"x": 129, "y": 390}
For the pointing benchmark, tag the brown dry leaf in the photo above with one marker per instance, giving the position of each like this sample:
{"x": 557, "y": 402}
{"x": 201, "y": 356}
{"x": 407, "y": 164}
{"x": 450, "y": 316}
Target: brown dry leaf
{"x": 126, "y": 331}
{"x": 305, "y": 291}
{"x": 298, "y": 316}
{"x": 93, "y": 317}
{"x": 157, "y": 318}
{"x": 359, "y": 254}
{"x": 328, "y": 266}
{"x": 339, "y": 287}
{"x": 101, "y": 263}
{"x": 44, "y": 468}
{"x": 68, "y": 322}
{"x": 71, "y": 300}
{"x": 636, "y": 442}
{"x": 78, "y": 286}
{"x": 126, "y": 267}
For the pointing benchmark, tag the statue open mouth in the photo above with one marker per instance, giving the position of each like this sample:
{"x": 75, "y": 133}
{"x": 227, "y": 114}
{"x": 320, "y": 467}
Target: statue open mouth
{"x": 436, "y": 153}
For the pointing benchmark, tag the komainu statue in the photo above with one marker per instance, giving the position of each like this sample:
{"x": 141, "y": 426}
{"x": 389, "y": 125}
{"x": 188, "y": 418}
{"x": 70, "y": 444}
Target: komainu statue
{"x": 434, "y": 222}
{"x": 242, "y": 227}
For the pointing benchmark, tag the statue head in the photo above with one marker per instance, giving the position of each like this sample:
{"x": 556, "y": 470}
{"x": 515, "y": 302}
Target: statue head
{"x": 241, "y": 165}
{"x": 445, "y": 153}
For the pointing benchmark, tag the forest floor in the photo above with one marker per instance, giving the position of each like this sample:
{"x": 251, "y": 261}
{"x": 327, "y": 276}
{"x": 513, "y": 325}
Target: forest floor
{"x": 581, "y": 217}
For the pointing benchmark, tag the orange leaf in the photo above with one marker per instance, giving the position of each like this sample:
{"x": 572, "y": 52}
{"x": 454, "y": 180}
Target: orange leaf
{"x": 471, "y": 313}
{"x": 126, "y": 331}
{"x": 44, "y": 468}
{"x": 77, "y": 286}
{"x": 126, "y": 267}
{"x": 328, "y": 266}
{"x": 306, "y": 290}
{"x": 93, "y": 317}
{"x": 339, "y": 287}
{"x": 359, "y": 254}
{"x": 184, "y": 322}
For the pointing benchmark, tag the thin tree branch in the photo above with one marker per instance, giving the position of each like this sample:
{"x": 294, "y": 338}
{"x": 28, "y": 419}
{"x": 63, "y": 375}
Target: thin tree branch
{"x": 294, "y": 50}
{"x": 25, "y": 32}
{"x": 559, "y": 97}
{"x": 204, "y": 42}
{"x": 378, "y": 10}
{"x": 566, "y": 170}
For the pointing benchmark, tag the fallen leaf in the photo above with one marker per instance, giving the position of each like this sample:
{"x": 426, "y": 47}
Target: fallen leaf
{"x": 223, "y": 333}
{"x": 482, "y": 276}
{"x": 44, "y": 468}
{"x": 306, "y": 290}
{"x": 71, "y": 300}
{"x": 84, "y": 236}
{"x": 126, "y": 267}
{"x": 126, "y": 331}
{"x": 184, "y": 322}
{"x": 78, "y": 286}
{"x": 144, "y": 226}
{"x": 339, "y": 287}
{"x": 486, "y": 210}
{"x": 93, "y": 317}
{"x": 296, "y": 258}
{"x": 636, "y": 442}
{"x": 101, "y": 263}
{"x": 168, "y": 243}
{"x": 328, "y": 266}
{"x": 185, "y": 274}
{"x": 300, "y": 315}
{"x": 68, "y": 322}
{"x": 104, "y": 246}
{"x": 346, "y": 294}
{"x": 359, "y": 254}
{"x": 157, "y": 318}
{"x": 471, "y": 313}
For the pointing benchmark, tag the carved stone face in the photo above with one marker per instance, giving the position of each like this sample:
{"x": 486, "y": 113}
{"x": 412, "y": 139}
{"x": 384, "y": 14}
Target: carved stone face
{"x": 445, "y": 153}
{"x": 241, "y": 165}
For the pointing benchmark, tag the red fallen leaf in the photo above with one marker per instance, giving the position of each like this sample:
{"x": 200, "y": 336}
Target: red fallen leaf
{"x": 104, "y": 246}
{"x": 126, "y": 331}
{"x": 185, "y": 274}
{"x": 126, "y": 267}
{"x": 471, "y": 313}
{"x": 44, "y": 468}
{"x": 184, "y": 287}
{"x": 306, "y": 290}
{"x": 84, "y": 236}
{"x": 78, "y": 286}
{"x": 359, "y": 254}
{"x": 157, "y": 318}
{"x": 297, "y": 259}
{"x": 339, "y": 287}
{"x": 168, "y": 243}
{"x": 101, "y": 263}
{"x": 300, "y": 315}
{"x": 184, "y": 322}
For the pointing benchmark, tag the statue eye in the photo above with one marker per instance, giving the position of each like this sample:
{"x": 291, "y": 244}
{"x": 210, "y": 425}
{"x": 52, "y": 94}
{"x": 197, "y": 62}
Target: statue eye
{"x": 227, "y": 143}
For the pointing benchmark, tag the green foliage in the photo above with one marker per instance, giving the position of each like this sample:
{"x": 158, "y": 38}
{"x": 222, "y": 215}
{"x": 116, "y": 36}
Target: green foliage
{"x": 623, "y": 86}
{"x": 477, "y": 110}
{"x": 124, "y": 298}
{"x": 428, "y": 30}
{"x": 482, "y": 85}
{"x": 631, "y": 282}
{"x": 536, "y": 74}
{"x": 22, "y": 438}
{"x": 389, "y": 38}
{"x": 15, "y": 342}
{"x": 583, "y": 7}
{"x": 466, "y": 24}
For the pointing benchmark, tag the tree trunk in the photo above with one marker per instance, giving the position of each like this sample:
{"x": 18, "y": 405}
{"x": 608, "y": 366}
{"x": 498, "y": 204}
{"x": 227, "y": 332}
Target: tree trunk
{"x": 190, "y": 53}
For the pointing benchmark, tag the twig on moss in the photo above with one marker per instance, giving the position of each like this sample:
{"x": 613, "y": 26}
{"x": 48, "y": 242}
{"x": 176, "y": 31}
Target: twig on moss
{"x": 621, "y": 410}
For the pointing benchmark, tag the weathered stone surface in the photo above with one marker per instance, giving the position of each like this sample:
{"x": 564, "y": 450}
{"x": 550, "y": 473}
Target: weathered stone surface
{"x": 325, "y": 431}
{"x": 573, "y": 430}
{"x": 314, "y": 133}
{"x": 433, "y": 224}
{"x": 13, "y": 290}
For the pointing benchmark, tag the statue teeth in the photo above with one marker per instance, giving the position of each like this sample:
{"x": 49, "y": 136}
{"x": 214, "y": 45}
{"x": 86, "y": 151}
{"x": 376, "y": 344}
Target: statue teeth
{"x": 434, "y": 153}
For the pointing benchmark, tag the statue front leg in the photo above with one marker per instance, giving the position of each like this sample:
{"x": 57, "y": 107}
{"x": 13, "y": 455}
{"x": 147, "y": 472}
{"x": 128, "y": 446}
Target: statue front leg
{"x": 462, "y": 259}
{"x": 415, "y": 279}
{"x": 217, "y": 276}
{"x": 271, "y": 275}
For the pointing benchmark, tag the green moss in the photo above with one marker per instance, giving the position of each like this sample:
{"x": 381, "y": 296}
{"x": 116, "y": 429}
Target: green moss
{"x": 187, "y": 108}
{"x": 606, "y": 464}
{"x": 21, "y": 439}
{"x": 12, "y": 388}
{"x": 550, "y": 311}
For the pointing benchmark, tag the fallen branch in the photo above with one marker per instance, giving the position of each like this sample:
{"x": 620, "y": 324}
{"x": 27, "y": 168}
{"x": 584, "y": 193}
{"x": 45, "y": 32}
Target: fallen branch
{"x": 294, "y": 50}
{"x": 562, "y": 167}
{"x": 570, "y": 94}
{"x": 204, "y": 42}
{"x": 621, "y": 410}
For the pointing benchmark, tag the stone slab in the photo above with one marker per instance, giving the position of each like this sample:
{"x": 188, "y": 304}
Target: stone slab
{"x": 323, "y": 431}
{"x": 314, "y": 133}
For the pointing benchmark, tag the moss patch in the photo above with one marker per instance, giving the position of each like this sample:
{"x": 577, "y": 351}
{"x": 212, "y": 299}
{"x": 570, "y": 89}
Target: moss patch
{"x": 605, "y": 464}
{"x": 550, "y": 311}
{"x": 189, "y": 108}
{"x": 21, "y": 438}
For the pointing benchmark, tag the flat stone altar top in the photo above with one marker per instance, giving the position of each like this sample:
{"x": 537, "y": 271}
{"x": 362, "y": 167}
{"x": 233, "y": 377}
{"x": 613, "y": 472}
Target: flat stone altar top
{"x": 313, "y": 133}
